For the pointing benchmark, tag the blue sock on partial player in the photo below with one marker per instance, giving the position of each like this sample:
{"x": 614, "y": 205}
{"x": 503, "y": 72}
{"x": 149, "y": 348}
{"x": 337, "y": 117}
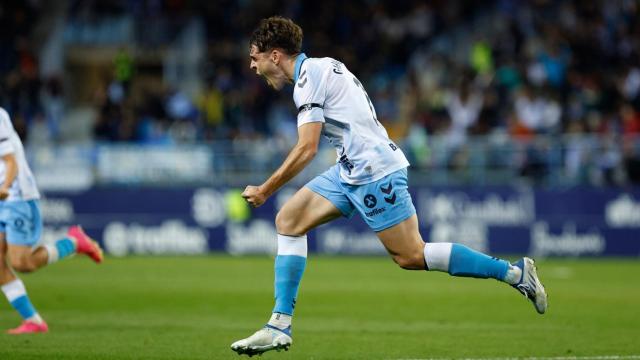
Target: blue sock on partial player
{"x": 18, "y": 298}
{"x": 290, "y": 264}
{"x": 60, "y": 249}
{"x": 460, "y": 260}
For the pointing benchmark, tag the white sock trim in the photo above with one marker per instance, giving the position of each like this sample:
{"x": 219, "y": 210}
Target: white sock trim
{"x": 14, "y": 289}
{"x": 52, "y": 250}
{"x": 281, "y": 321}
{"x": 437, "y": 256}
{"x": 292, "y": 245}
{"x": 36, "y": 318}
{"x": 513, "y": 276}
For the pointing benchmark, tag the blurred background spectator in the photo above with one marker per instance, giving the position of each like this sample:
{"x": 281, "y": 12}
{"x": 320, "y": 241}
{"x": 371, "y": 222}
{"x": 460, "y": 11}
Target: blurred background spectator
{"x": 482, "y": 92}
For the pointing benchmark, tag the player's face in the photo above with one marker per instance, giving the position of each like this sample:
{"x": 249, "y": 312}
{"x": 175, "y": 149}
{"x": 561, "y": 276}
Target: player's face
{"x": 264, "y": 64}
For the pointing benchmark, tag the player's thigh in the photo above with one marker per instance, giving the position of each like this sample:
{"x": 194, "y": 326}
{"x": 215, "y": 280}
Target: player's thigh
{"x": 304, "y": 211}
{"x": 386, "y": 206}
{"x": 384, "y": 203}
{"x": 22, "y": 226}
{"x": 4, "y": 248}
{"x": 404, "y": 243}
{"x": 23, "y": 223}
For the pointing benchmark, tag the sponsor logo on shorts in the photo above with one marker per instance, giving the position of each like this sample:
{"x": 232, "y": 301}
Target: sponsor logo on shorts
{"x": 374, "y": 212}
{"x": 370, "y": 201}
{"x": 391, "y": 199}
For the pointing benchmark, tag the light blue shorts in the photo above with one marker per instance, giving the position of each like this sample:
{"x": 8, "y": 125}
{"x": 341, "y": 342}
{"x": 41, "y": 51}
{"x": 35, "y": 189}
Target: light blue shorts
{"x": 382, "y": 204}
{"x": 21, "y": 221}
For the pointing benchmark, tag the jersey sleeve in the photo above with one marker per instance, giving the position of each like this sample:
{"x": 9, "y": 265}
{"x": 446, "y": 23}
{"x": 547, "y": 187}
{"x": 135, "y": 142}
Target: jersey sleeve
{"x": 5, "y": 134}
{"x": 309, "y": 95}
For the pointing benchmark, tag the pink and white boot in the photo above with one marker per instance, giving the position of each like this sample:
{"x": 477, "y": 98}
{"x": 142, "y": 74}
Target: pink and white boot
{"x": 85, "y": 244}
{"x": 29, "y": 327}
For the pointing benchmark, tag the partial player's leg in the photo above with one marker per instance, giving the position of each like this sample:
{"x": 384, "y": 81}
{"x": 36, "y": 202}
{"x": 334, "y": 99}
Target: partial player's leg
{"x": 24, "y": 228}
{"x": 303, "y": 212}
{"x": 15, "y": 292}
{"x": 21, "y": 231}
{"x": 25, "y": 259}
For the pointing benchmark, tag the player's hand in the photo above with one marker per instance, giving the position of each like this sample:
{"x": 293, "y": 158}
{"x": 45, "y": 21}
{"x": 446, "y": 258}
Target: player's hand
{"x": 4, "y": 194}
{"x": 254, "y": 195}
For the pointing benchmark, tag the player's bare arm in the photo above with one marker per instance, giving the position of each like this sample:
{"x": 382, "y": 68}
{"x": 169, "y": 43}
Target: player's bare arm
{"x": 300, "y": 156}
{"x": 11, "y": 172}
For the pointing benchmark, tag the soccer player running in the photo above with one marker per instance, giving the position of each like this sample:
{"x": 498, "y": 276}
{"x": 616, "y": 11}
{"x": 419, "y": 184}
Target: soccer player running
{"x": 370, "y": 177}
{"x": 21, "y": 227}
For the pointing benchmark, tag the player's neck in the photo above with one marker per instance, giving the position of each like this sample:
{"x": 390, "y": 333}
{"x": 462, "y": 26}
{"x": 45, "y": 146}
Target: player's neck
{"x": 289, "y": 67}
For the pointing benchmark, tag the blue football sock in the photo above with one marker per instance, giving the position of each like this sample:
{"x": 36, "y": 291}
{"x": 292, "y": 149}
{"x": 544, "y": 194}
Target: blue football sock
{"x": 60, "y": 249}
{"x": 289, "y": 270}
{"x": 18, "y": 298}
{"x": 460, "y": 260}
{"x": 467, "y": 262}
{"x": 24, "y": 307}
{"x": 65, "y": 247}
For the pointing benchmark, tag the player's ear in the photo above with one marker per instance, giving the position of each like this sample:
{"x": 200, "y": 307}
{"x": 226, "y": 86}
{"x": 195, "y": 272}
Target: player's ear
{"x": 275, "y": 56}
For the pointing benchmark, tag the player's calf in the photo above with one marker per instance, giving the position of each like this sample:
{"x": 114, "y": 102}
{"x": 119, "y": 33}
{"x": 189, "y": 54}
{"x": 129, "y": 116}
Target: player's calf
{"x": 24, "y": 264}
{"x": 460, "y": 260}
{"x": 22, "y": 258}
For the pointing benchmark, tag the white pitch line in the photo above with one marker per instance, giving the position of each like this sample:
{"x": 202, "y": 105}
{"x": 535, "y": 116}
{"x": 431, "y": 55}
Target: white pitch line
{"x": 602, "y": 357}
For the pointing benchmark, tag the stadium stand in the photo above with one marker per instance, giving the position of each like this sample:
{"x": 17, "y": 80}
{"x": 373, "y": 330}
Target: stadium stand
{"x": 545, "y": 92}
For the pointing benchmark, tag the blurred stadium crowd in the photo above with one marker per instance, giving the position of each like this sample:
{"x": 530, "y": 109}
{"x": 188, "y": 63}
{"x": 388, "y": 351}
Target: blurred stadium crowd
{"x": 508, "y": 84}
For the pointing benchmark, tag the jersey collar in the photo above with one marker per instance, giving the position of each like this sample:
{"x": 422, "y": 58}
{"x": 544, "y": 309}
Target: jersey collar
{"x": 296, "y": 73}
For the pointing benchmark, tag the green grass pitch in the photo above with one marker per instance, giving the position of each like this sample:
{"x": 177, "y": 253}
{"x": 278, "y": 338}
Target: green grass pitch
{"x": 348, "y": 308}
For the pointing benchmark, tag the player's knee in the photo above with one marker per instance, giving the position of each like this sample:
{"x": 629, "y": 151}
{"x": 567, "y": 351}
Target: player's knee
{"x": 287, "y": 225}
{"x": 410, "y": 261}
{"x": 23, "y": 265}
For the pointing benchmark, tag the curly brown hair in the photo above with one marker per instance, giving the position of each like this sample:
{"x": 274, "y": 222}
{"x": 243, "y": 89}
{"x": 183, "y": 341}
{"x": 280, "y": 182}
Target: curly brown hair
{"x": 277, "y": 32}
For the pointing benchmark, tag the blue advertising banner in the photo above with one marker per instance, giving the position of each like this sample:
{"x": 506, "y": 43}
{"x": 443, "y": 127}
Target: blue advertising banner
{"x": 500, "y": 220}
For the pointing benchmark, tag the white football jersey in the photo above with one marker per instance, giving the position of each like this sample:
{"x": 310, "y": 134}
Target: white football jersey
{"x": 24, "y": 185}
{"x": 326, "y": 91}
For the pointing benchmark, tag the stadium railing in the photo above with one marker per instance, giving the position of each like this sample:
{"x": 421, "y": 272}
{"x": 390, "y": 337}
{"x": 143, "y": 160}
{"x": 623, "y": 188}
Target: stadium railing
{"x": 488, "y": 160}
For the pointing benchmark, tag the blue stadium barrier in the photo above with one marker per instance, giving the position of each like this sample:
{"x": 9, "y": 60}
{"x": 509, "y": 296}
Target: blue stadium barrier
{"x": 499, "y": 220}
